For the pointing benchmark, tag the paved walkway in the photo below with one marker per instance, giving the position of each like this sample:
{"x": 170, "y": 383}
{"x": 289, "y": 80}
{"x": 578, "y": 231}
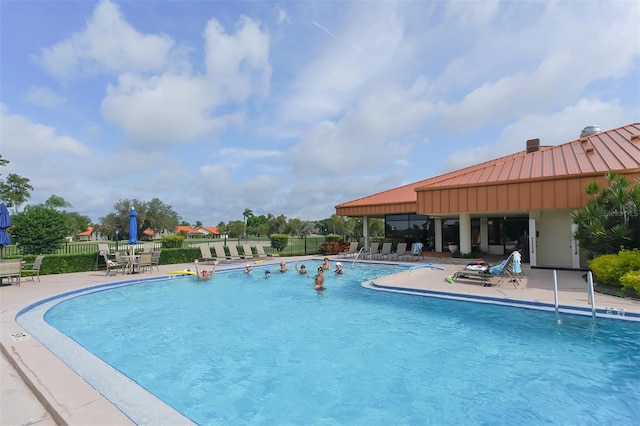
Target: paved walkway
{"x": 38, "y": 389}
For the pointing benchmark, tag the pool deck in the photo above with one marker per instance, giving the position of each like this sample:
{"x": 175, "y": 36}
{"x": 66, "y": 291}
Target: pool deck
{"x": 37, "y": 388}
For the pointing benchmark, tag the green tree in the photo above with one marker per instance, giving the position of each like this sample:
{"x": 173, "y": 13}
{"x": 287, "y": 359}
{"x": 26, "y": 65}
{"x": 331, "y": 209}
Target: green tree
{"x": 294, "y": 227}
{"x": 56, "y": 202}
{"x": 611, "y": 219}
{"x": 154, "y": 215}
{"x": 39, "y": 229}
{"x": 278, "y": 225}
{"x": 235, "y": 228}
{"x": 247, "y": 213}
{"x": 15, "y": 190}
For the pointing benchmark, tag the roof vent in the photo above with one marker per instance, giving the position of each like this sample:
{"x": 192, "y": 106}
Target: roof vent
{"x": 590, "y": 130}
{"x": 533, "y": 145}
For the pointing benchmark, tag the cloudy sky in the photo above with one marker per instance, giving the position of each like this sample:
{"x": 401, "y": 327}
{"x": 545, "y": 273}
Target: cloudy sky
{"x": 293, "y": 107}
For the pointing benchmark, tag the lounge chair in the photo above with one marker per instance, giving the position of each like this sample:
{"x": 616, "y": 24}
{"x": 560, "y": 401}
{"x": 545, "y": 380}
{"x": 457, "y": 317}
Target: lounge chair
{"x": 416, "y": 252}
{"x": 484, "y": 272}
{"x": 384, "y": 252}
{"x": 353, "y": 250}
{"x": 221, "y": 255}
{"x": 262, "y": 254}
{"x": 205, "y": 253}
{"x": 233, "y": 252}
{"x": 33, "y": 269}
{"x": 401, "y": 251}
{"x": 374, "y": 248}
{"x": 248, "y": 253}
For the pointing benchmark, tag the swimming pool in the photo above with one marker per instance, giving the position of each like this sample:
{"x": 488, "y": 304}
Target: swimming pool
{"x": 245, "y": 350}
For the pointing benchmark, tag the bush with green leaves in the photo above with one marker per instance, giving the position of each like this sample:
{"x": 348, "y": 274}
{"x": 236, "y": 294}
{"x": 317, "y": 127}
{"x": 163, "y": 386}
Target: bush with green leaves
{"x": 631, "y": 280}
{"x": 611, "y": 219}
{"x": 610, "y": 268}
{"x": 333, "y": 237}
{"x": 279, "y": 242}
{"x": 172, "y": 241}
{"x": 39, "y": 229}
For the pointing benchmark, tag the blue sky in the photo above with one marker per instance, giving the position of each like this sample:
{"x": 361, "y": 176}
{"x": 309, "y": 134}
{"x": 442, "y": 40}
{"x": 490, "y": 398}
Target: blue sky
{"x": 294, "y": 107}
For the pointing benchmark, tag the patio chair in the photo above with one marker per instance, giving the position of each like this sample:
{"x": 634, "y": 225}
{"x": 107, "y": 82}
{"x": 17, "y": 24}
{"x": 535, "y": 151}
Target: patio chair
{"x": 248, "y": 253}
{"x": 33, "y": 269}
{"x": 384, "y": 252}
{"x": 115, "y": 264}
{"x": 11, "y": 269}
{"x": 155, "y": 259}
{"x": 144, "y": 261}
{"x": 205, "y": 253}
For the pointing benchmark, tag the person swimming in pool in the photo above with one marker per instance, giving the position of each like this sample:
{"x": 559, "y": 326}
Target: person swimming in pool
{"x": 302, "y": 270}
{"x": 267, "y": 273}
{"x": 248, "y": 269}
{"x": 283, "y": 267}
{"x": 339, "y": 269}
{"x": 326, "y": 265}
{"x": 205, "y": 275}
{"x": 319, "y": 280}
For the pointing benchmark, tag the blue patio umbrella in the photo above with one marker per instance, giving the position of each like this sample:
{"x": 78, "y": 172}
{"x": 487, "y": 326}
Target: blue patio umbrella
{"x": 5, "y": 222}
{"x": 133, "y": 227}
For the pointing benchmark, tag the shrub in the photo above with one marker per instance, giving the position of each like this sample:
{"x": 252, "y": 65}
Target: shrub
{"x": 333, "y": 247}
{"x": 610, "y": 268}
{"x": 172, "y": 241}
{"x": 279, "y": 241}
{"x": 631, "y": 280}
{"x": 333, "y": 238}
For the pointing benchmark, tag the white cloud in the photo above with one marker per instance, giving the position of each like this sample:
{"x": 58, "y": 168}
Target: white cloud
{"x": 364, "y": 139}
{"x": 44, "y": 97}
{"x": 107, "y": 44}
{"x": 165, "y": 110}
{"x": 238, "y": 65}
{"x": 22, "y": 137}
{"x": 552, "y": 129}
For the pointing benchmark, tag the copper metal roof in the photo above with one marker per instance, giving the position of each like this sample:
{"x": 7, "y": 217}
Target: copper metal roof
{"x": 617, "y": 149}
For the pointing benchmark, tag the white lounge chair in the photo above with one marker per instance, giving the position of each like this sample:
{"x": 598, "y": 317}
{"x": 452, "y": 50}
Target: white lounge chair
{"x": 384, "y": 253}
{"x": 205, "y": 253}
{"x": 221, "y": 255}
{"x": 353, "y": 250}
{"x": 401, "y": 251}
{"x": 233, "y": 252}
{"x": 248, "y": 253}
{"x": 374, "y": 248}
{"x": 263, "y": 254}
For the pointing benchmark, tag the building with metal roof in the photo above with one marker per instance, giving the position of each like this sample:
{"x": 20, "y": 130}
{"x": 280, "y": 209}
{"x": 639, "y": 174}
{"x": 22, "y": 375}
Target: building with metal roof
{"x": 519, "y": 200}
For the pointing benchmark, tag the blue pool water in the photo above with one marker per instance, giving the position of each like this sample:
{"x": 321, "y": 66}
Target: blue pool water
{"x": 248, "y": 351}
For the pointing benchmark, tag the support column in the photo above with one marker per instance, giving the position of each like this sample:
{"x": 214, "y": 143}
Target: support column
{"x": 465, "y": 233}
{"x": 365, "y": 230}
{"x": 484, "y": 235}
{"x": 438, "y": 233}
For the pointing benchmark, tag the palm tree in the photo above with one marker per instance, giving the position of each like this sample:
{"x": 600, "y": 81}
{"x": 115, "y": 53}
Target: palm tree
{"x": 247, "y": 213}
